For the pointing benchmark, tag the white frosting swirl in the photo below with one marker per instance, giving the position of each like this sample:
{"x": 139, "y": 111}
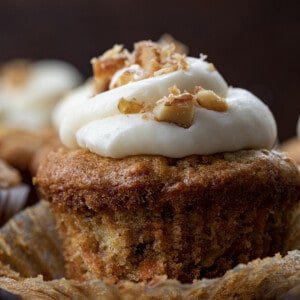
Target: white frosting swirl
{"x": 97, "y": 124}
{"x": 78, "y": 96}
{"x": 30, "y": 105}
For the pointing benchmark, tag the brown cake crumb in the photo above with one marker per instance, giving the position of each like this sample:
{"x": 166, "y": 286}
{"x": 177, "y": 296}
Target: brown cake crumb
{"x": 189, "y": 218}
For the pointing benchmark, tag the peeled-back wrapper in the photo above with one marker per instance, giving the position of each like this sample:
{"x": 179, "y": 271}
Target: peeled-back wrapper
{"x": 12, "y": 200}
{"x": 32, "y": 266}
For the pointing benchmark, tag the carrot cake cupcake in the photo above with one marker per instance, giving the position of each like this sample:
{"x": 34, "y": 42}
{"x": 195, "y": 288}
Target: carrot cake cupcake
{"x": 169, "y": 172}
{"x": 28, "y": 93}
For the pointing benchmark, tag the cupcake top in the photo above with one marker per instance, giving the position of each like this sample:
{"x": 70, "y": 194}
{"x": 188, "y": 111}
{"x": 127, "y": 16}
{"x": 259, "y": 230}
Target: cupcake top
{"x": 84, "y": 91}
{"x": 29, "y": 90}
{"x": 9, "y": 176}
{"x": 159, "y": 101}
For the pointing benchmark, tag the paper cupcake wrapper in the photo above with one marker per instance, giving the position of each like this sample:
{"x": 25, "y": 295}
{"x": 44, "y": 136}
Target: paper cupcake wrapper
{"x": 32, "y": 266}
{"x": 12, "y": 200}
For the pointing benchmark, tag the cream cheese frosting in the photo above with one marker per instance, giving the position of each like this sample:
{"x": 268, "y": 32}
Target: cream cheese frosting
{"x": 96, "y": 123}
{"x": 78, "y": 96}
{"x": 30, "y": 104}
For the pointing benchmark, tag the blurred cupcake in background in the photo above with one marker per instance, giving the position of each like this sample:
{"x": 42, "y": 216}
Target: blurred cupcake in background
{"x": 13, "y": 193}
{"x": 74, "y": 97}
{"x": 292, "y": 146}
{"x": 28, "y": 93}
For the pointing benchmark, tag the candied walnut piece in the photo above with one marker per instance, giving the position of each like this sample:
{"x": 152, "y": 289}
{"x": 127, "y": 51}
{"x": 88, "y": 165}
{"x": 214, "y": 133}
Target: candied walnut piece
{"x": 100, "y": 85}
{"x": 166, "y": 39}
{"x": 174, "y": 90}
{"x": 177, "y": 109}
{"x": 105, "y": 66}
{"x": 129, "y": 107}
{"x": 158, "y": 59}
{"x": 210, "y": 100}
{"x": 147, "y": 55}
{"x": 147, "y": 60}
{"x": 124, "y": 78}
{"x": 133, "y": 73}
{"x": 171, "y": 60}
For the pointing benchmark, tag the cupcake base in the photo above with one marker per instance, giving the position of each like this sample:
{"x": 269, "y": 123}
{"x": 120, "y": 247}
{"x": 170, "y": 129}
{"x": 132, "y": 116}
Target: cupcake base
{"x": 21, "y": 266}
{"x": 137, "y": 245}
{"x": 141, "y": 216}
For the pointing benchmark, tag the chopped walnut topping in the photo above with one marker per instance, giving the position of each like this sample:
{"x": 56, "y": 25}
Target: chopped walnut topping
{"x": 133, "y": 73}
{"x": 124, "y": 78}
{"x": 115, "y": 52}
{"x": 171, "y": 61}
{"x": 165, "y": 70}
{"x": 158, "y": 59}
{"x": 178, "y": 109}
{"x": 100, "y": 85}
{"x": 174, "y": 90}
{"x": 167, "y": 39}
{"x": 147, "y": 55}
{"x": 15, "y": 73}
{"x": 210, "y": 100}
{"x": 105, "y": 66}
{"x": 154, "y": 59}
{"x": 129, "y": 107}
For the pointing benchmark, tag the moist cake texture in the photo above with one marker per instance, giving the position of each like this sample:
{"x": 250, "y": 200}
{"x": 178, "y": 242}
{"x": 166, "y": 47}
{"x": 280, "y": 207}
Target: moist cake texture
{"x": 168, "y": 171}
{"x": 188, "y": 218}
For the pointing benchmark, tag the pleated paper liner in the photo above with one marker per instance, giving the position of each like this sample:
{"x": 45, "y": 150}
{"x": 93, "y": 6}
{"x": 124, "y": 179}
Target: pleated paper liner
{"x": 12, "y": 200}
{"x": 32, "y": 266}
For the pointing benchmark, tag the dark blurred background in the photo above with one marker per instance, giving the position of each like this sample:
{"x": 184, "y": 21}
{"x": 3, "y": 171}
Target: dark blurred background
{"x": 253, "y": 43}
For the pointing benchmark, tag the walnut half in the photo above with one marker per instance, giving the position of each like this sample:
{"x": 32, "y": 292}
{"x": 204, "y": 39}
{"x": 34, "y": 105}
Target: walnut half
{"x": 210, "y": 100}
{"x": 105, "y": 66}
{"x": 129, "y": 107}
{"x": 179, "y": 110}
